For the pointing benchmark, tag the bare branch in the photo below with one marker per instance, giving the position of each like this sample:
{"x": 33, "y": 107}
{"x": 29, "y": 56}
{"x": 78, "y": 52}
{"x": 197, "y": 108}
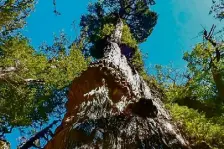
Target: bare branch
{"x": 216, "y": 45}
{"x": 39, "y": 135}
{"x": 5, "y": 73}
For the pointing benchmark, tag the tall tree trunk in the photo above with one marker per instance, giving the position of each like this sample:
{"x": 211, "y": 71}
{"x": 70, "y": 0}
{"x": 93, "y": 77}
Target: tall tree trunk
{"x": 111, "y": 107}
{"x": 117, "y": 34}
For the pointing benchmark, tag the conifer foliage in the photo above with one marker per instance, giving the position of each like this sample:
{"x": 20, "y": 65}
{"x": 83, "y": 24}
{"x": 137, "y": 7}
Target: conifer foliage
{"x": 32, "y": 84}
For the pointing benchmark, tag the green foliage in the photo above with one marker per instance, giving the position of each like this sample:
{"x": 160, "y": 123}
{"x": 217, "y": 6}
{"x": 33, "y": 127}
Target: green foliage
{"x": 127, "y": 38}
{"x": 198, "y": 82}
{"x": 204, "y": 68}
{"x": 197, "y": 127}
{"x": 106, "y": 31}
{"x": 181, "y": 87}
{"x": 136, "y": 14}
{"x": 33, "y": 84}
{"x": 100, "y": 40}
{"x": 13, "y": 14}
{"x": 138, "y": 21}
{"x": 28, "y": 92}
{"x": 191, "y": 95}
{"x": 137, "y": 61}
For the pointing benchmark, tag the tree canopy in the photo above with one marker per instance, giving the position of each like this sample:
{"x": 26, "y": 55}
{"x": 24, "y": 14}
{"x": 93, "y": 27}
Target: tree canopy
{"x": 134, "y": 13}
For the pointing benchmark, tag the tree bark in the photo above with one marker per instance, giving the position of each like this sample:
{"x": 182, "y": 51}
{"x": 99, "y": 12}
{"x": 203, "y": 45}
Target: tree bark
{"x": 110, "y": 106}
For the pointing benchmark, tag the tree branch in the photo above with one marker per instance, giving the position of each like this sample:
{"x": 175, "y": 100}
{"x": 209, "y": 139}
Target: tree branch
{"x": 39, "y": 135}
{"x": 209, "y": 38}
{"x": 4, "y": 74}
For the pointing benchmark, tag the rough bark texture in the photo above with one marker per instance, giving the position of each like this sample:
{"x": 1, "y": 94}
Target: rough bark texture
{"x": 110, "y": 106}
{"x": 4, "y": 144}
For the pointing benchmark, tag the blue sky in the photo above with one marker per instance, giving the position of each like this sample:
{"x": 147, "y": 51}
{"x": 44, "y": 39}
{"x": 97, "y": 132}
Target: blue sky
{"x": 178, "y": 24}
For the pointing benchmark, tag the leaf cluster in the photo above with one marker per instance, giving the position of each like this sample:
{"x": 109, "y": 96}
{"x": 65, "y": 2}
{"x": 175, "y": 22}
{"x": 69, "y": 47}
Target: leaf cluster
{"x": 30, "y": 93}
{"x": 191, "y": 95}
{"x": 197, "y": 127}
{"x": 135, "y": 14}
{"x": 12, "y": 15}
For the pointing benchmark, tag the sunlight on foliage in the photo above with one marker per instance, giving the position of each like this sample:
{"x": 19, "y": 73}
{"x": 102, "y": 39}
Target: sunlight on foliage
{"x": 27, "y": 92}
{"x": 13, "y": 14}
{"x": 197, "y": 127}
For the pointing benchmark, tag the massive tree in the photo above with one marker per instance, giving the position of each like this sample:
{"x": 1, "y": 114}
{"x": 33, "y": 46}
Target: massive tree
{"x": 110, "y": 105}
